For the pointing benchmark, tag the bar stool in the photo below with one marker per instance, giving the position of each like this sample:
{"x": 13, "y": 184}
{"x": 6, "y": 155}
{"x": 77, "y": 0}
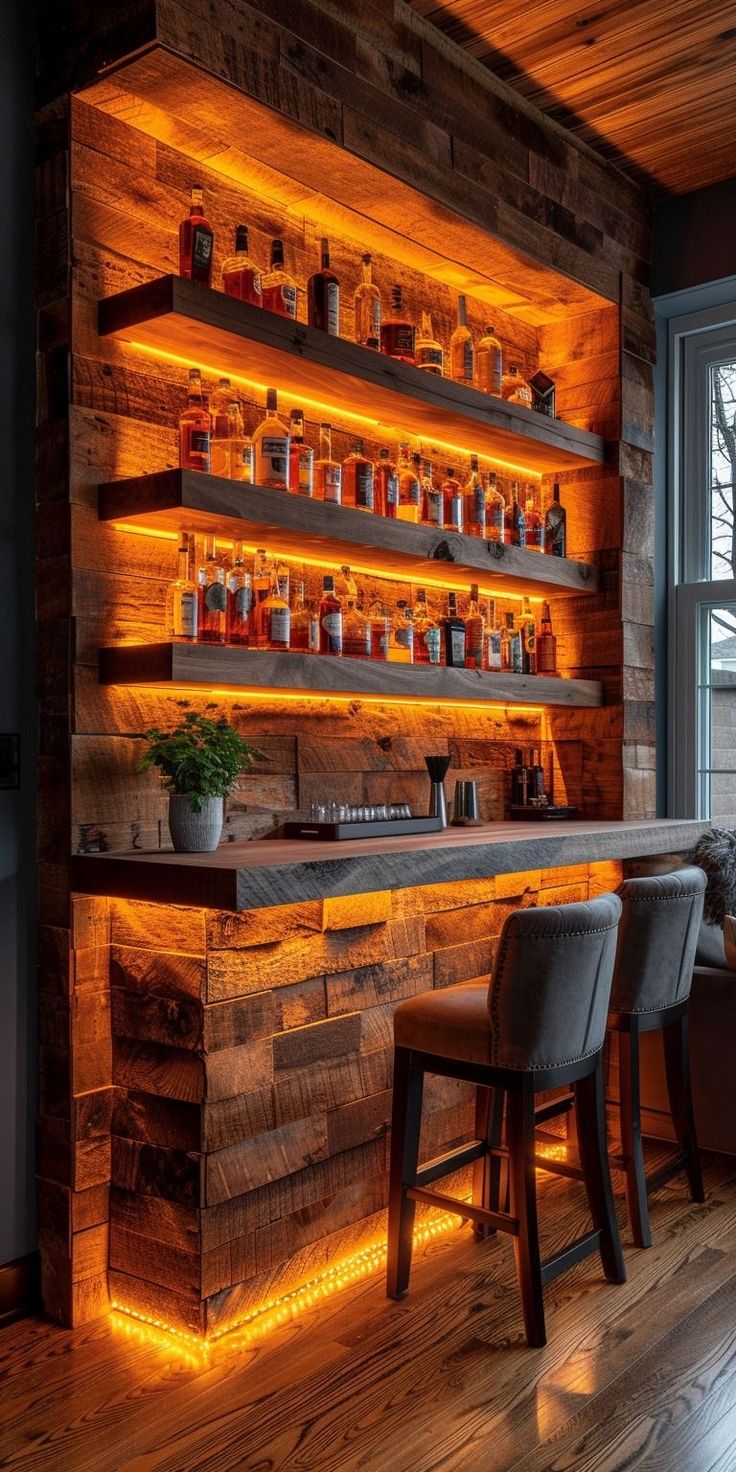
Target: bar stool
{"x": 657, "y": 940}
{"x": 539, "y": 1022}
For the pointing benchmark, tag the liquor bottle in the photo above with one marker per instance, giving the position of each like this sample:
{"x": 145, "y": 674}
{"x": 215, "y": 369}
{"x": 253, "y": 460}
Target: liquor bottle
{"x": 240, "y": 463}
{"x": 454, "y": 635}
{"x": 283, "y": 578}
{"x": 271, "y": 447}
{"x": 433, "y": 510}
{"x": 212, "y": 596}
{"x": 262, "y": 570}
{"x": 461, "y": 348}
{"x": 546, "y": 646}
{"x": 219, "y": 405}
{"x": 452, "y": 501}
{"x": 275, "y": 618}
{"x": 381, "y": 630}
{"x": 401, "y": 649}
{"x": 526, "y": 625}
{"x": 367, "y": 305}
{"x": 301, "y": 457}
{"x": 514, "y": 388}
{"x": 515, "y": 523}
{"x": 489, "y": 363}
{"x": 519, "y": 781}
{"x": 511, "y": 652}
{"x": 330, "y": 618}
{"x": 410, "y": 488}
{"x": 194, "y": 428}
{"x": 555, "y": 526}
{"x": 533, "y": 521}
{"x": 239, "y": 583}
{"x": 535, "y": 778}
{"x": 474, "y": 502}
{"x": 327, "y": 472}
{"x": 475, "y": 632}
{"x": 241, "y": 276}
{"x": 356, "y": 628}
{"x": 429, "y": 354}
{"x": 357, "y": 479}
{"x": 492, "y": 659}
{"x": 495, "y": 510}
{"x": 323, "y": 295}
{"x": 304, "y": 623}
{"x": 398, "y": 334}
{"x": 279, "y": 290}
{"x": 427, "y": 635}
{"x": 181, "y": 597}
{"x": 385, "y": 485}
{"x": 196, "y": 242}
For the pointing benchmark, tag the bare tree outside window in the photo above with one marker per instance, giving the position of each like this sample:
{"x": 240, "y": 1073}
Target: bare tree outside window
{"x": 723, "y": 470}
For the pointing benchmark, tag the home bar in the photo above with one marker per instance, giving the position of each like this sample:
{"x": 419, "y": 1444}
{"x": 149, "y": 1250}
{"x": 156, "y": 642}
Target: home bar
{"x": 351, "y": 666}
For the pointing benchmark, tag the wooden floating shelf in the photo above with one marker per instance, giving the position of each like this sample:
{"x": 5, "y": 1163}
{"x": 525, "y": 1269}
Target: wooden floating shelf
{"x": 208, "y": 329}
{"x": 226, "y": 667}
{"x": 172, "y": 499}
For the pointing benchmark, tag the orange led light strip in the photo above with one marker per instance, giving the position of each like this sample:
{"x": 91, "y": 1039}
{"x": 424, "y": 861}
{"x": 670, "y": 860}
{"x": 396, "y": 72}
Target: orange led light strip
{"x": 314, "y": 697}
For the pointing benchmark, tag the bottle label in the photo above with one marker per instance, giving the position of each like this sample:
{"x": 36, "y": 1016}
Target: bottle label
{"x": 545, "y": 653}
{"x": 410, "y": 493}
{"x": 467, "y": 362}
{"x": 493, "y": 649}
{"x": 457, "y": 647}
{"x": 332, "y": 625}
{"x": 185, "y": 616}
{"x": 200, "y": 442}
{"x": 427, "y": 357}
{"x": 332, "y": 305}
{"x": 305, "y": 472}
{"x": 455, "y": 508}
{"x": 215, "y": 597}
{"x": 273, "y": 455}
{"x": 434, "y": 508}
{"x": 364, "y": 487}
{"x": 433, "y": 644}
{"x": 478, "y": 507}
{"x": 374, "y": 320}
{"x": 243, "y": 601}
{"x": 280, "y": 299}
{"x": 280, "y": 626}
{"x": 333, "y": 483}
{"x": 313, "y": 635}
{"x": 392, "y": 490}
{"x": 405, "y": 636}
{"x": 244, "y": 283}
{"x": 402, "y": 341}
{"x": 201, "y": 248}
{"x": 515, "y": 653}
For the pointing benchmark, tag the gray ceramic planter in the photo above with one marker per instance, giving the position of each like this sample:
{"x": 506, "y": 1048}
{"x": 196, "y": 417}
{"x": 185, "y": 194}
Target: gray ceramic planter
{"x": 195, "y": 833}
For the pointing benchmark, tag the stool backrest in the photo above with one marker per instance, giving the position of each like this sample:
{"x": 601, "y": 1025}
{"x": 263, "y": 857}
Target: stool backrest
{"x": 549, "y": 993}
{"x": 657, "y": 939}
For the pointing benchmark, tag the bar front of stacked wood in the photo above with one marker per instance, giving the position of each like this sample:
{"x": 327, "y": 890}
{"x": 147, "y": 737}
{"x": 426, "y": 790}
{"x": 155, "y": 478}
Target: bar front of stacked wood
{"x": 108, "y": 199}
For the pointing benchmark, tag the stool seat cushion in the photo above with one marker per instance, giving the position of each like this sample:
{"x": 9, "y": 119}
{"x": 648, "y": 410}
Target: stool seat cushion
{"x": 451, "y": 1023}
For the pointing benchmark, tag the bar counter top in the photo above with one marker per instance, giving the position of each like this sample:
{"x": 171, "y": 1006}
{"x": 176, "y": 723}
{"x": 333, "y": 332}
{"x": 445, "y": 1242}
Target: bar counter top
{"x": 264, "y": 872}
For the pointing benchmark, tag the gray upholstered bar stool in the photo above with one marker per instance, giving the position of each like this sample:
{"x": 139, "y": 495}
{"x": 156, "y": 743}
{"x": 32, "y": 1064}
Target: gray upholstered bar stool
{"x": 539, "y": 1022}
{"x": 657, "y": 939}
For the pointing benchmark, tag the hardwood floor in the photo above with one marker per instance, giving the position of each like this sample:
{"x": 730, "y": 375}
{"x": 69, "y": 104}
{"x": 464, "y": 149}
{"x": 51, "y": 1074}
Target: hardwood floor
{"x": 641, "y": 1376}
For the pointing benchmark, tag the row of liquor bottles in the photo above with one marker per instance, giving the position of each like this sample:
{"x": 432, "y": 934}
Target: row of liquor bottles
{"x": 233, "y": 599}
{"x": 477, "y": 364}
{"x": 412, "y": 488}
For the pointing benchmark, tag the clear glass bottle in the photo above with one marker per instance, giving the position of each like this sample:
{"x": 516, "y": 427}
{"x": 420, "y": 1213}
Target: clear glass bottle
{"x": 212, "y": 596}
{"x": 330, "y": 618}
{"x": 196, "y": 242}
{"x": 303, "y": 622}
{"x": 555, "y": 526}
{"x": 357, "y": 479}
{"x": 385, "y": 485}
{"x": 398, "y": 334}
{"x": 239, "y": 582}
{"x": 433, "y": 511}
{"x": 381, "y": 630}
{"x": 526, "y": 625}
{"x": 453, "y": 630}
{"x": 475, "y": 632}
{"x": 462, "y": 356}
{"x": 181, "y": 596}
{"x": 492, "y": 656}
{"x": 489, "y": 364}
{"x": 275, "y": 617}
{"x": 533, "y": 520}
{"x": 515, "y": 521}
{"x": 271, "y": 447}
{"x": 511, "y": 652}
{"x": 241, "y": 277}
{"x": 323, "y": 295}
{"x": 495, "y": 510}
{"x": 514, "y": 388}
{"x": 546, "y": 645}
{"x": 410, "y": 487}
{"x": 401, "y": 648}
{"x": 367, "y": 305}
{"x": 427, "y": 634}
{"x": 356, "y": 627}
{"x": 429, "y": 354}
{"x": 301, "y": 457}
{"x": 279, "y": 291}
{"x": 219, "y": 408}
{"x": 195, "y": 426}
{"x": 241, "y": 447}
{"x": 263, "y": 569}
{"x": 452, "y": 501}
{"x": 327, "y": 472}
{"x": 283, "y": 578}
{"x": 474, "y": 502}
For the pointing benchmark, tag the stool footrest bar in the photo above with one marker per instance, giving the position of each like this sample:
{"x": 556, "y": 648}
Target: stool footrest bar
{"x": 455, "y": 1159}
{"x": 553, "y": 1108}
{"x": 558, "y": 1168}
{"x": 499, "y": 1220}
{"x": 572, "y": 1254}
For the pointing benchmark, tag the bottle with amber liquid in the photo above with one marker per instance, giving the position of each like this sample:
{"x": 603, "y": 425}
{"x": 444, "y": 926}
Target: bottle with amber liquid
{"x": 278, "y": 289}
{"x": 263, "y": 569}
{"x": 462, "y": 356}
{"x": 533, "y": 521}
{"x": 385, "y": 485}
{"x": 474, "y": 502}
{"x": 546, "y": 645}
{"x": 555, "y": 526}
{"x": 515, "y": 520}
{"x": 410, "y": 486}
{"x": 495, "y": 510}
{"x": 433, "y": 510}
{"x": 401, "y": 648}
{"x": 427, "y": 634}
{"x": 492, "y": 656}
{"x": 301, "y": 457}
{"x": 196, "y": 242}
{"x": 367, "y": 306}
{"x": 212, "y": 596}
{"x": 327, "y": 472}
{"x": 398, "y": 334}
{"x": 475, "y": 632}
{"x": 181, "y": 598}
{"x": 429, "y": 354}
{"x": 275, "y": 618}
{"x": 514, "y": 388}
{"x": 489, "y": 364}
{"x": 303, "y": 622}
{"x": 452, "y": 501}
{"x": 357, "y": 479}
{"x": 219, "y": 407}
{"x": 271, "y": 447}
{"x": 330, "y": 618}
{"x": 239, "y": 583}
{"x": 241, "y": 276}
{"x": 526, "y": 624}
{"x": 511, "y": 647}
{"x": 453, "y": 629}
{"x": 323, "y": 295}
{"x": 195, "y": 425}
{"x": 381, "y": 630}
{"x": 356, "y": 627}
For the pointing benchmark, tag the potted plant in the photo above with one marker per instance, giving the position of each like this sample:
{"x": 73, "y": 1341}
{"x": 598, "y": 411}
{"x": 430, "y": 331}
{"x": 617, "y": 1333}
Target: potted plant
{"x": 199, "y": 763}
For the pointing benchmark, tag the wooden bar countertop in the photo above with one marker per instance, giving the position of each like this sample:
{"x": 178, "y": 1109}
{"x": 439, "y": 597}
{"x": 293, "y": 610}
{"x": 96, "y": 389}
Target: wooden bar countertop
{"x": 264, "y": 872}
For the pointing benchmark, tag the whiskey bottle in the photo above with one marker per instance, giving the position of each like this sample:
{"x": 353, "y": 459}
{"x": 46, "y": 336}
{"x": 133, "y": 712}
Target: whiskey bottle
{"x": 356, "y": 628}
{"x": 474, "y": 502}
{"x": 495, "y": 510}
{"x": 514, "y": 388}
{"x": 357, "y": 479}
{"x": 212, "y": 596}
{"x": 475, "y": 631}
{"x": 194, "y": 428}
{"x": 519, "y": 781}
{"x": 546, "y": 645}
{"x": 533, "y": 521}
{"x": 219, "y": 406}
{"x": 241, "y": 277}
{"x": 279, "y": 290}
{"x": 327, "y": 472}
{"x": 301, "y": 457}
{"x": 511, "y": 651}
{"x": 555, "y": 526}
{"x": 462, "y": 357}
{"x": 330, "y": 618}
{"x": 323, "y": 295}
{"x": 427, "y": 636}
{"x": 239, "y": 583}
{"x": 367, "y": 306}
{"x": 410, "y": 489}
{"x": 454, "y": 635}
{"x": 275, "y": 618}
{"x": 528, "y": 631}
{"x": 398, "y": 334}
{"x": 433, "y": 512}
{"x": 489, "y": 363}
{"x": 283, "y": 578}
{"x": 452, "y": 501}
{"x": 515, "y": 522}
{"x": 240, "y": 465}
{"x": 181, "y": 597}
{"x": 271, "y": 447}
{"x": 262, "y": 572}
{"x": 492, "y": 659}
{"x": 401, "y": 650}
{"x": 304, "y": 624}
{"x": 429, "y": 354}
{"x": 196, "y": 242}
{"x": 385, "y": 485}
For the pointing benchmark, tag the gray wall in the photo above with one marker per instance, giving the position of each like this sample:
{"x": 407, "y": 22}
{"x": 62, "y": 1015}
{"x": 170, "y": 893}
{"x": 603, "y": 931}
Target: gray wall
{"x": 17, "y": 869}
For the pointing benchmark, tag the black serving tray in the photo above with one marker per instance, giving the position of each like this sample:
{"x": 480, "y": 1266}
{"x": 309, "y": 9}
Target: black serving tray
{"x": 547, "y": 814}
{"x": 378, "y": 828}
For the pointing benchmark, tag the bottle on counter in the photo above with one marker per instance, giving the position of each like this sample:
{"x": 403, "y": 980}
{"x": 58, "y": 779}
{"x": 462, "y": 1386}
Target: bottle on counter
{"x": 239, "y": 582}
{"x": 327, "y": 472}
{"x": 301, "y": 457}
{"x": 330, "y": 618}
{"x": 385, "y": 485}
{"x": 555, "y": 526}
{"x": 511, "y": 651}
{"x": 546, "y": 645}
{"x": 357, "y": 479}
{"x": 427, "y": 633}
{"x": 462, "y": 356}
{"x": 429, "y": 354}
{"x": 367, "y": 306}
{"x": 493, "y": 639}
{"x": 261, "y": 584}
{"x": 475, "y": 632}
{"x": 474, "y": 502}
{"x": 323, "y": 295}
{"x": 241, "y": 276}
{"x": 196, "y": 242}
{"x": 279, "y": 292}
{"x": 181, "y": 597}
{"x": 271, "y": 447}
{"x": 195, "y": 428}
{"x": 398, "y": 333}
{"x": 489, "y": 363}
{"x": 275, "y": 616}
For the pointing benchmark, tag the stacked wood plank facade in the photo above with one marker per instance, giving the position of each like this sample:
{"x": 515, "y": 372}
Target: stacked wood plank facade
{"x": 175, "y": 1041}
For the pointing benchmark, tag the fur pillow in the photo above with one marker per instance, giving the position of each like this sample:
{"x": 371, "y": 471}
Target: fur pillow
{"x": 715, "y": 853}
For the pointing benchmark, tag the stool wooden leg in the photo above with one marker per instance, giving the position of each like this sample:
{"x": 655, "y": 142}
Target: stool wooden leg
{"x": 590, "y": 1112}
{"x": 636, "y": 1186}
{"x": 520, "y": 1138}
{"x": 677, "y": 1069}
{"x": 489, "y": 1104}
{"x": 406, "y": 1120}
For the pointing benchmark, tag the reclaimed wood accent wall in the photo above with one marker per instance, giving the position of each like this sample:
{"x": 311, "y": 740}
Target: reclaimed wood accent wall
{"x": 108, "y": 199}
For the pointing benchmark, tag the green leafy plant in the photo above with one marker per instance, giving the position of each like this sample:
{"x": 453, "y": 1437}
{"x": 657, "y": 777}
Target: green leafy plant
{"x": 200, "y": 758}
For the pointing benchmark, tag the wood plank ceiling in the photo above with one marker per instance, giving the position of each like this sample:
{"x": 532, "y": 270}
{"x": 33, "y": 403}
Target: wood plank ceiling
{"x": 650, "y": 84}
